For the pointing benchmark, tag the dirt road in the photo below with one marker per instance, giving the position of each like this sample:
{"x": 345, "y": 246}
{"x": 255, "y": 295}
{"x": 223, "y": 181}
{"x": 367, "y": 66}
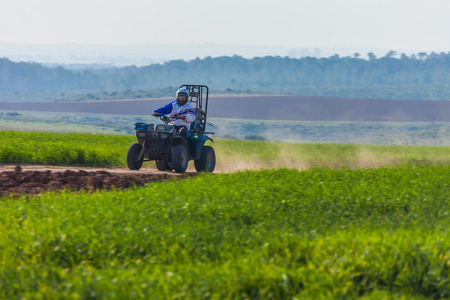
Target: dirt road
{"x": 32, "y": 179}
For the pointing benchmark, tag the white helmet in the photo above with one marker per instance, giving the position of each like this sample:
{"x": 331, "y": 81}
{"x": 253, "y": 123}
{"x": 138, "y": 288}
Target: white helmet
{"x": 182, "y": 92}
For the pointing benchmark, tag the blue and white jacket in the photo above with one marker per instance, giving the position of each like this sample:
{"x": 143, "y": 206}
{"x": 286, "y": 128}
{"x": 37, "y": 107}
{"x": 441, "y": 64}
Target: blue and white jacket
{"x": 174, "y": 108}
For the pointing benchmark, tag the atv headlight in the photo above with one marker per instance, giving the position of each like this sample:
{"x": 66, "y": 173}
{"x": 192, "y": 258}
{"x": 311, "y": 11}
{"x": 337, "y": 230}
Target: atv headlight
{"x": 163, "y": 136}
{"x": 140, "y": 134}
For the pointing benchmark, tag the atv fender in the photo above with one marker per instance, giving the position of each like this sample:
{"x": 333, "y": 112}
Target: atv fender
{"x": 196, "y": 145}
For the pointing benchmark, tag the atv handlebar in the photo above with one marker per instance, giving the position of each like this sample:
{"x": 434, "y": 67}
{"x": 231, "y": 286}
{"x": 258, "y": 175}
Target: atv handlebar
{"x": 165, "y": 118}
{"x": 162, "y": 117}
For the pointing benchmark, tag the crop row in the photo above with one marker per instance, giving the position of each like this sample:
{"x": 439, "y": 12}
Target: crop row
{"x": 268, "y": 234}
{"x": 83, "y": 149}
{"x": 87, "y": 149}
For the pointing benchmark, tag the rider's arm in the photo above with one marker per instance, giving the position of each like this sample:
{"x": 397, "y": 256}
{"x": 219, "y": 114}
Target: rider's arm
{"x": 187, "y": 114}
{"x": 165, "y": 110}
{"x": 190, "y": 116}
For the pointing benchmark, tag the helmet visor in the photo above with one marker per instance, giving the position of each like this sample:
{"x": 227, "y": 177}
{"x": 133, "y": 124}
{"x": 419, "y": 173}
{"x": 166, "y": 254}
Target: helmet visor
{"x": 182, "y": 94}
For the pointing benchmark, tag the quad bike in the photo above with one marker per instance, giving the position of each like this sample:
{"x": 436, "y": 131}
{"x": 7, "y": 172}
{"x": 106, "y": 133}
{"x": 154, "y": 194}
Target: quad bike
{"x": 170, "y": 151}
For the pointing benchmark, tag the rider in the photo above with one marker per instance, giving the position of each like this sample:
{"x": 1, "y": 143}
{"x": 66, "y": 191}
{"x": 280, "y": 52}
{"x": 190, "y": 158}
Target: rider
{"x": 181, "y": 112}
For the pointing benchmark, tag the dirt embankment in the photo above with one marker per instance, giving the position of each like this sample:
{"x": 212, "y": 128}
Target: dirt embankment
{"x": 18, "y": 181}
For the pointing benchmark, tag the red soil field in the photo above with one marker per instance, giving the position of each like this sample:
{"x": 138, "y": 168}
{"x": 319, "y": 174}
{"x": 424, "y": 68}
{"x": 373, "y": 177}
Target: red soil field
{"x": 18, "y": 181}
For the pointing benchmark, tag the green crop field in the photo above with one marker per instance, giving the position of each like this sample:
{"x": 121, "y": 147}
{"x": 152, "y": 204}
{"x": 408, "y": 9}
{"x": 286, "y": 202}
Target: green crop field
{"x": 332, "y": 231}
{"x": 102, "y": 150}
{"x": 378, "y": 233}
{"x": 80, "y": 149}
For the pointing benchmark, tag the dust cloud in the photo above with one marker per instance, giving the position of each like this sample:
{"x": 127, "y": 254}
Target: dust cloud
{"x": 356, "y": 157}
{"x": 240, "y": 165}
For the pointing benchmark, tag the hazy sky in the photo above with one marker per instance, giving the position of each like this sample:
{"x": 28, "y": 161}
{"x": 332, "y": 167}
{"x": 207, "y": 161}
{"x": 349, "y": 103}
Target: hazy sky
{"x": 393, "y": 24}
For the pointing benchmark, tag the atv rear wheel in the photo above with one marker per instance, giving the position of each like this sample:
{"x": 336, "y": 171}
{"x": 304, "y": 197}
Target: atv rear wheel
{"x": 207, "y": 160}
{"x": 180, "y": 158}
{"x": 162, "y": 165}
{"x": 132, "y": 157}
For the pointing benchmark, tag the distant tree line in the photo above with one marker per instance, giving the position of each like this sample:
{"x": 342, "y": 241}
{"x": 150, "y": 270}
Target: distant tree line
{"x": 235, "y": 72}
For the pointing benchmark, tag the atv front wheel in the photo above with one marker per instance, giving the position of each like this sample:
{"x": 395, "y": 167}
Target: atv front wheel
{"x": 180, "y": 158}
{"x": 132, "y": 157}
{"x": 207, "y": 160}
